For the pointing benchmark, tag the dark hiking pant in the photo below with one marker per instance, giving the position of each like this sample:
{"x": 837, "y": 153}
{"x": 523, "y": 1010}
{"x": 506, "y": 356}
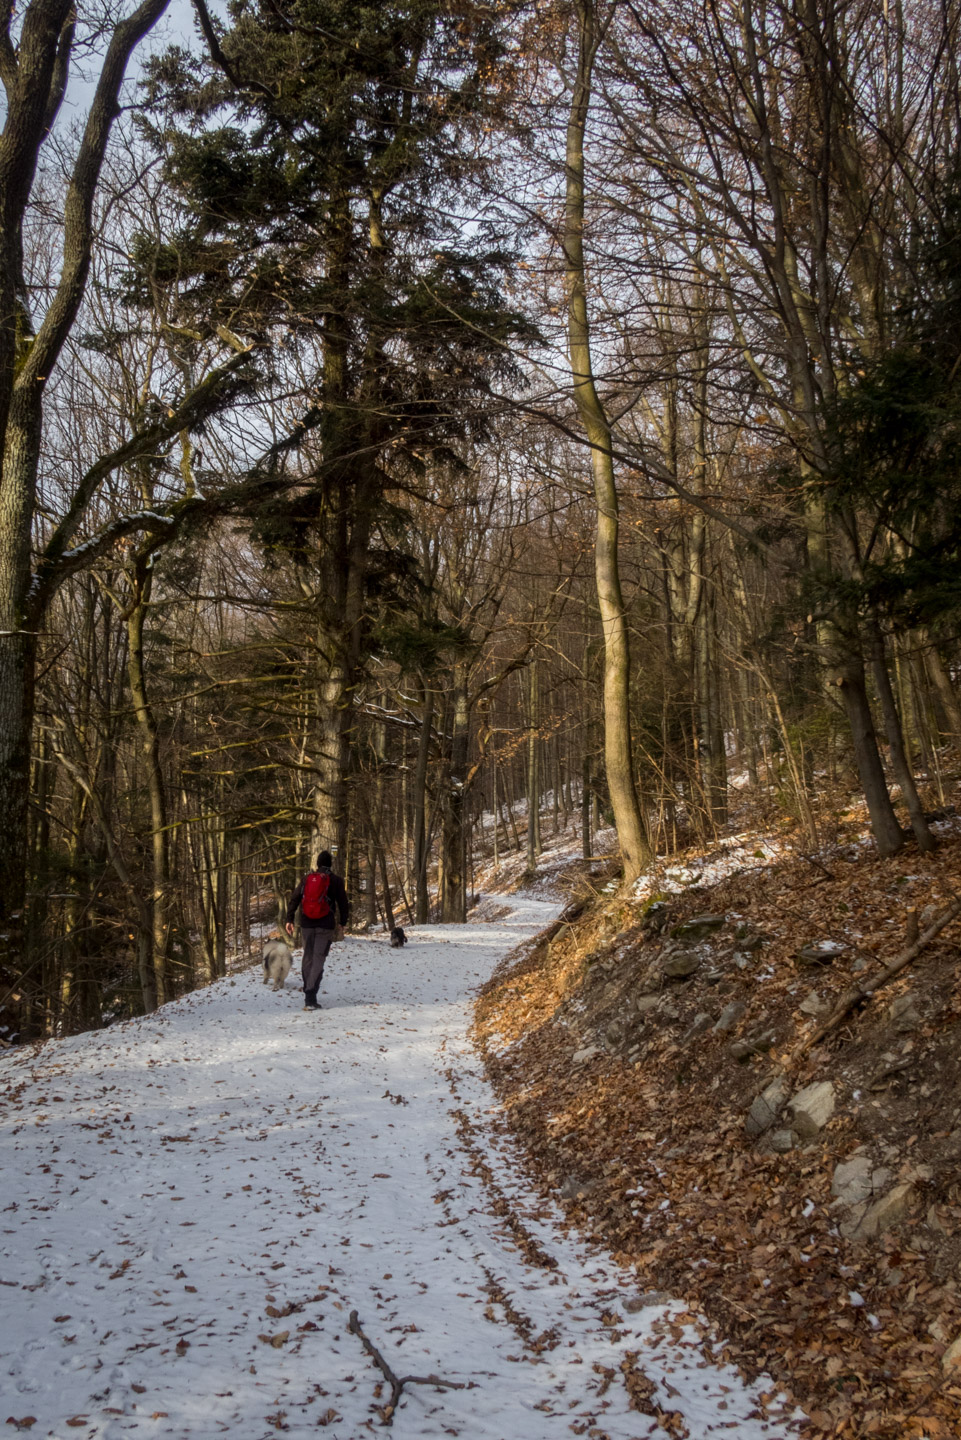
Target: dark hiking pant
{"x": 317, "y": 942}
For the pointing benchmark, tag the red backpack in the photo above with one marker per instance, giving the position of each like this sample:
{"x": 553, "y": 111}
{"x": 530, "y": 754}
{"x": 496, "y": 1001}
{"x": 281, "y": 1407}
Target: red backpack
{"x": 314, "y": 903}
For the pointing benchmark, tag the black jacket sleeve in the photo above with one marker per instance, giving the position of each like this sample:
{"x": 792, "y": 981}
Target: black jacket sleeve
{"x": 295, "y": 900}
{"x": 339, "y": 893}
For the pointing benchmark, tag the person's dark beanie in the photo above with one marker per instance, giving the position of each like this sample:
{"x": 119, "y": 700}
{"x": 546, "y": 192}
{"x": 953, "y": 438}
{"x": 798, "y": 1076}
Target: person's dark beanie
{"x": 324, "y": 860}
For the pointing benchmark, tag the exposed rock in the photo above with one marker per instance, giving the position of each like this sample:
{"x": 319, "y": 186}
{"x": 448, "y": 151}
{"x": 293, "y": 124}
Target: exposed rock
{"x": 887, "y": 1212}
{"x": 645, "y": 1301}
{"x": 698, "y": 927}
{"x": 700, "y": 1023}
{"x": 903, "y": 1014}
{"x": 851, "y": 1181}
{"x": 811, "y": 1108}
{"x": 729, "y": 1016}
{"x": 679, "y": 965}
{"x": 655, "y": 918}
{"x": 766, "y": 1107}
{"x": 881, "y": 1179}
{"x": 644, "y": 1003}
{"x": 782, "y": 1141}
{"x": 581, "y": 1057}
{"x": 825, "y": 952}
{"x": 753, "y": 1045}
{"x": 812, "y": 1004}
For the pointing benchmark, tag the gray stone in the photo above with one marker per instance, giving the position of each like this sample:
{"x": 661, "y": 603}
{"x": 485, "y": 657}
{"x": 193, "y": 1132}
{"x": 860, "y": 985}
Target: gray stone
{"x": 753, "y": 1045}
{"x": 765, "y": 1108}
{"x": 698, "y": 927}
{"x": 729, "y": 1016}
{"x": 812, "y": 1004}
{"x": 825, "y": 952}
{"x": 811, "y": 1109}
{"x": 655, "y": 917}
{"x": 887, "y": 1212}
{"x": 646, "y": 1301}
{"x": 852, "y": 1219}
{"x": 679, "y": 965}
{"x": 700, "y": 1023}
{"x": 782, "y": 1141}
{"x": 644, "y": 1003}
{"x": 581, "y": 1057}
{"x": 903, "y": 1014}
{"x": 851, "y": 1181}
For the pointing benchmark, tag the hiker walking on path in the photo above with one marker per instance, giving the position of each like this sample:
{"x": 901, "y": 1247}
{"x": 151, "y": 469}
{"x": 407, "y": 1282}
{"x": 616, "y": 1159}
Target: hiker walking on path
{"x": 321, "y": 897}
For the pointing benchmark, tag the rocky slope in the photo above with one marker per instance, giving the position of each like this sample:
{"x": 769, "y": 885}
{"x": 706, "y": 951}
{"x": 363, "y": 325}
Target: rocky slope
{"x": 657, "y": 1057}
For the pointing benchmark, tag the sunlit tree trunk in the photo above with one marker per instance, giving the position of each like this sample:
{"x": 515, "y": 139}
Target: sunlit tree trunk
{"x": 628, "y": 817}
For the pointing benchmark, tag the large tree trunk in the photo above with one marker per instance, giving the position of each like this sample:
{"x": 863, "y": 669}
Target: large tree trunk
{"x": 454, "y": 837}
{"x": 419, "y": 802}
{"x": 34, "y": 77}
{"x": 892, "y": 725}
{"x": 141, "y": 581}
{"x": 533, "y": 775}
{"x": 849, "y": 678}
{"x": 947, "y": 695}
{"x": 628, "y": 818}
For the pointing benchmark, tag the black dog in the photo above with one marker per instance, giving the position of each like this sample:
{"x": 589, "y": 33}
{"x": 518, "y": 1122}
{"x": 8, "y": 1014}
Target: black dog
{"x": 397, "y": 938}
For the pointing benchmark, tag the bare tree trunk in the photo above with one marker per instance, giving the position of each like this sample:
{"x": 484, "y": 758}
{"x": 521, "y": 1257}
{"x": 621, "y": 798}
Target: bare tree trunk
{"x": 34, "y": 76}
{"x": 419, "y": 801}
{"x": 141, "y": 581}
{"x": 849, "y": 678}
{"x": 533, "y": 774}
{"x": 892, "y": 725}
{"x": 628, "y": 817}
{"x": 946, "y": 693}
{"x": 453, "y": 836}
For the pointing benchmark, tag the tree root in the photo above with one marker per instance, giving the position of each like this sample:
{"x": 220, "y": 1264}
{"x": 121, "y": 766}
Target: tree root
{"x": 396, "y": 1382}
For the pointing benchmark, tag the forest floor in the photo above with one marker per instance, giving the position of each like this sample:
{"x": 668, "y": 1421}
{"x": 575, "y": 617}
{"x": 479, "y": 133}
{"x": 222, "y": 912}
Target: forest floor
{"x": 829, "y": 1260}
{"x": 196, "y": 1203}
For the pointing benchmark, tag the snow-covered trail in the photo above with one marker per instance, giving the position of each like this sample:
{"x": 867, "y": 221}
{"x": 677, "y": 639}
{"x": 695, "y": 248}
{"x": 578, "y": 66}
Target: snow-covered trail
{"x": 193, "y": 1204}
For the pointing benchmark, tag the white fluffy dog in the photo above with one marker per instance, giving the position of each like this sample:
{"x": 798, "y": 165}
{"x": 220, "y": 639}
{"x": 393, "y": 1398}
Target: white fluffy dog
{"x": 276, "y": 962}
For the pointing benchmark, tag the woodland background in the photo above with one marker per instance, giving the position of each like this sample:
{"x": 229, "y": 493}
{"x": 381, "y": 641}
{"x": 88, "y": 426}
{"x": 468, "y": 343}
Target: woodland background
{"x": 424, "y": 424}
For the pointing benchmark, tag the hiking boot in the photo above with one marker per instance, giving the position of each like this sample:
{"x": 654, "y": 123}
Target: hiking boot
{"x": 310, "y": 1000}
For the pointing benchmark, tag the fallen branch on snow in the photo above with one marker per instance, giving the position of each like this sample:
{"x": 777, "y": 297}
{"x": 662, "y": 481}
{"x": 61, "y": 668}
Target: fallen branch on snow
{"x": 397, "y": 1383}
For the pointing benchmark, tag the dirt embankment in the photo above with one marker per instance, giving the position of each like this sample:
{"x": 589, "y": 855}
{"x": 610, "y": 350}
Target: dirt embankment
{"x": 823, "y": 1233}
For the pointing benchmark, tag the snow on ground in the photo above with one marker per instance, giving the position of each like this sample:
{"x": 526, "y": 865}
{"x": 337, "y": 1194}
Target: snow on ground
{"x": 195, "y": 1202}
